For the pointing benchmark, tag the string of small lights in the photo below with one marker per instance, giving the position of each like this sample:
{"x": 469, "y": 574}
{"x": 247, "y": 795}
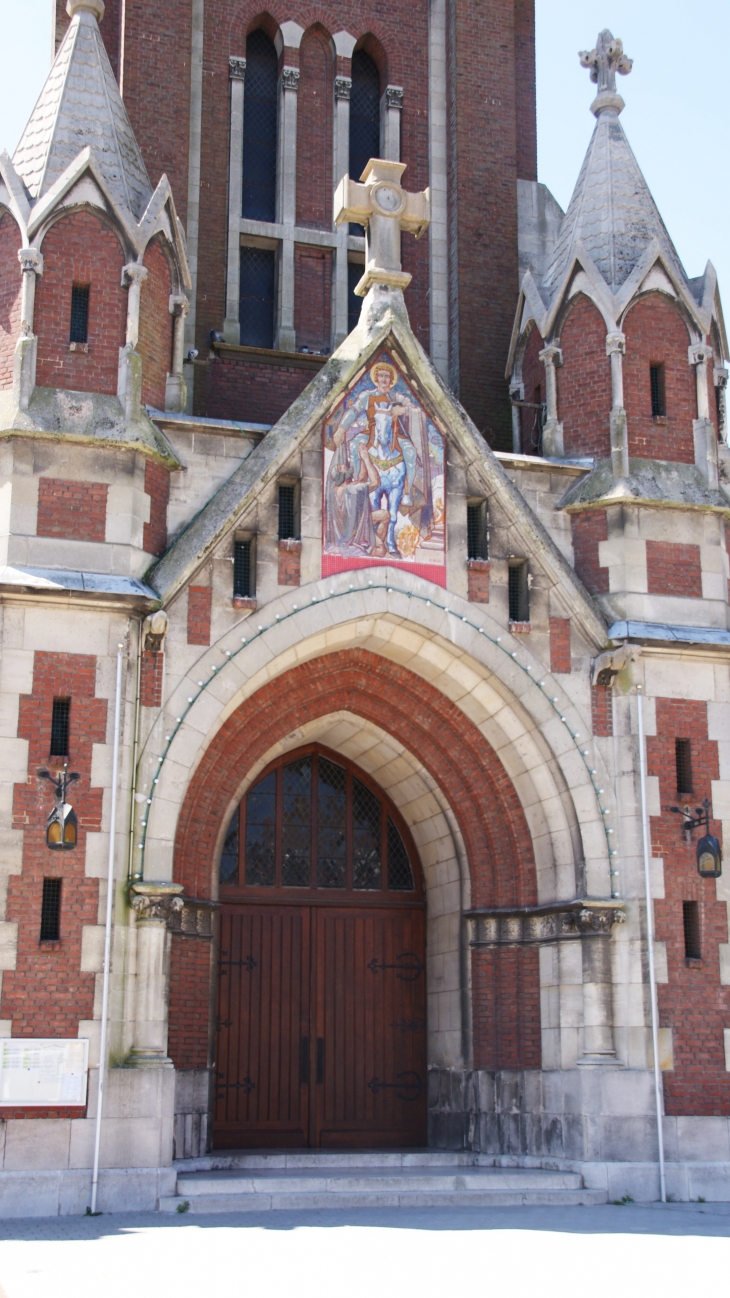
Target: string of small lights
{"x": 335, "y": 594}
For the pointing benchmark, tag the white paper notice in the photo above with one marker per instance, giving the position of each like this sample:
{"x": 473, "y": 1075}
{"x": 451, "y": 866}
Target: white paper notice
{"x": 42, "y": 1072}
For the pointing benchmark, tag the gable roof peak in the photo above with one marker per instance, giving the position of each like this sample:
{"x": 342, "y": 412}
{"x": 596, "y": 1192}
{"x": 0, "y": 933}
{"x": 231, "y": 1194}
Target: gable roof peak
{"x": 80, "y": 107}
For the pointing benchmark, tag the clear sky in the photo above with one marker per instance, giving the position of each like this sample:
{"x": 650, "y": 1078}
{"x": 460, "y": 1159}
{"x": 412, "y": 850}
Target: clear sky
{"x": 677, "y": 102}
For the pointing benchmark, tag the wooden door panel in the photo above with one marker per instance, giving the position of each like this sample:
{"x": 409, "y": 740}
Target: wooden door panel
{"x": 371, "y": 1017}
{"x": 263, "y": 1014}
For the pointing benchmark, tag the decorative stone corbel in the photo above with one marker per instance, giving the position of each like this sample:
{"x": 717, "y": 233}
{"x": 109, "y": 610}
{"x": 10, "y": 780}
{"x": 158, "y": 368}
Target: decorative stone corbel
{"x": 705, "y": 439}
{"x": 290, "y": 79}
{"x": 552, "y": 433}
{"x": 343, "y": 87}
{"x": 176, "y": 393}
{"x": 154, "y": 630}
{"x": 236, "y": 68}
{"x": 26, "y": 348}
{"x": 609, "y": 664}
{"x": 154, "y": 905}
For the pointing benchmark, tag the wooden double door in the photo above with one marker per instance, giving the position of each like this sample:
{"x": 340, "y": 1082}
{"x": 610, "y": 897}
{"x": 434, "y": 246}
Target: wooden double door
{"x": 321, "y": 1029}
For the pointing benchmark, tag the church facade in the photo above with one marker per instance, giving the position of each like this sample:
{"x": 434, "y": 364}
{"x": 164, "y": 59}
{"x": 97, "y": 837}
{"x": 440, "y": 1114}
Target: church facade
{"x": 364, "y": 617}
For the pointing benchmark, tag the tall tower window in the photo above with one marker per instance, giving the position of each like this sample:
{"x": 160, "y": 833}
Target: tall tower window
{"x": 51, "y": 911}
{"x": 518, "y": 589}
{"x": 476, "y": 530}
{"x": 259, "y": 128}
{"x": 658, "y": 396}
{"x": 244, "y": 570}
{"x": 60, "y": 719}
{"x": 79, "y": 329}
{"x": 691, "y": 923}
{"x": 288, "y": 511}
{"x": 364, "y": 117}
{"x": 683, "y": 764}
{"x": 258, "y": 286}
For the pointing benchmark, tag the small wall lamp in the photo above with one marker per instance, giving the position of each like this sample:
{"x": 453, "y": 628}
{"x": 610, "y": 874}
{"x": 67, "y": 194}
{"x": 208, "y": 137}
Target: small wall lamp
{"x": 62, "y": 827}
{"x": 709, "y": 852}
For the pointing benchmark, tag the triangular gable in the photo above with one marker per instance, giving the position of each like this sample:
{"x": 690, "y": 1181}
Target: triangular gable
{"x": 383, "y": 326}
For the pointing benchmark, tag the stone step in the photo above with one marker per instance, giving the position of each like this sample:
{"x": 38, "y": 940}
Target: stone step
{"x": 336, "y": 1202}
{"x": 371, "y": 1180}
{"x": 318, "y": 1158}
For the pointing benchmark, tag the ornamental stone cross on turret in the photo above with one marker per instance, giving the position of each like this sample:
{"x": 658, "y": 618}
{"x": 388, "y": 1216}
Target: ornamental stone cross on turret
{"x": 379, "y": 202}
{"x": 605, "y": 61}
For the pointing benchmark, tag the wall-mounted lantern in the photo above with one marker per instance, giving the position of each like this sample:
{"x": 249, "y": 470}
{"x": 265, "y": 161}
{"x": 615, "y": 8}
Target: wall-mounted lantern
{"x": 62, "y": 827}
{"x": 709, "y": 852}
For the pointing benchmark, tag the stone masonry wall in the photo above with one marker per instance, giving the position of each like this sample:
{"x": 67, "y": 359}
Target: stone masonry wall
{"x": 155, "y": 327}
{"x": 656, "y": 333}
{"x": 11, "y": 292}
{"x": 584, "y": 383}
{"x": 588, "y": 530}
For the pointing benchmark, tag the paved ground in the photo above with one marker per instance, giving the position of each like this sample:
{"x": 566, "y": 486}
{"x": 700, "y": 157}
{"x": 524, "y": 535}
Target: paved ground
{"x": 621, "y": 1252}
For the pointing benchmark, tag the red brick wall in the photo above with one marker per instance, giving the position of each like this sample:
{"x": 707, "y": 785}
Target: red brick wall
{"x": 533, "y": 379}
{"x": 693, "y": 1003}
{"x": 80, "y": 249}
{"x": 157, "y": 487}
{"x": 483, "y": 799}
{"x": 47, "y": 994}
{"x": 290, "y": 556}
{"x": 150, "y": 679}
{"x": 250, "y": 389}
{"x": 74, "y": 511}
{"x": 155, "y": 327}
{"x": 312, "y": 297}
{"x": 560, "y": 644}
{"x": 601, "y": 710}
{"x": 11, "y": 293}
{"x": 526, "y": 93}
{"x": 584, "y": 383}
{"x": 478, "y": 580}
{"x": 673, "y": 569}
{"x": 189, "y": 1029}
{"x": 655, "y": 331}
{"x": 199, "y": 600}
{"x": 588, "y": 530}
{"x": 314, "y": 131}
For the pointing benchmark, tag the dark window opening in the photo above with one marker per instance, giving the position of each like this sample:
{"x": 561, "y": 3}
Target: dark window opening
{"x": 658, "y": 398}
{"x": 683, "y": 764}
{"x": 79, "y": 331}
{"x": 311, "y": 823}
{"x": 355, "y": 271}
{"x": 243, "y": 569}
{"x": 519, "y": 601}
{"x": 364, "y": 117}
{"x": 288, "y": 521}
{"x": 51, "y": 911}
{"x": 258, "y": 283}
{"x": 60, "y": 719}
{"x": 476, "y": 530}
{"x": 691, "y": 921}
{"x": 537, "y": 422}
{"x": 260, "y": 112}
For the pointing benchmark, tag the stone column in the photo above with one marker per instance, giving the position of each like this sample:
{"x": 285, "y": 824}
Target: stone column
{"x": 721, "y": 376}
{"x": 704, "y": 431}
{"x": 237, "y": 77}
{"x": 133, "y": 276}
{"x": 391, "y": 107}
{"x": 517, "y": 393}
{"x": 175, "y": 387}
{"x": 286, "y": 337}
{"x": 594, "y": 922}
{"x": 552, "y": 433}
{"x": 341, "y": 166}
{"x": 129, "y": 383}
{"x": 26, "y": 348}
{"x": 616, "y": 350}
{"x": 155, "y": 905}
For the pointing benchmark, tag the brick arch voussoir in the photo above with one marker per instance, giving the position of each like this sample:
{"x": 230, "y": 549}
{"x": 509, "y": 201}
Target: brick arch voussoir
{"x": 457, "y": 756}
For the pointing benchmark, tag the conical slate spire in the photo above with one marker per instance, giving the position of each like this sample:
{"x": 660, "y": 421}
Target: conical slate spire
{"x": 80, "y": 107}
{"x": 612, "y": 213}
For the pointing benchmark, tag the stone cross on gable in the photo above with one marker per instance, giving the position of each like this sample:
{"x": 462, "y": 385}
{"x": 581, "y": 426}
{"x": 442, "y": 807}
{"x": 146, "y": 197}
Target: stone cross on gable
{"x": 379, "y": 202}
{"x": 605, "y": 61}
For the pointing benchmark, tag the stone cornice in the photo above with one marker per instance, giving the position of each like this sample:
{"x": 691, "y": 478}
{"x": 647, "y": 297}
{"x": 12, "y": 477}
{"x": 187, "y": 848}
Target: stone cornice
{"x": 558, "y": 921}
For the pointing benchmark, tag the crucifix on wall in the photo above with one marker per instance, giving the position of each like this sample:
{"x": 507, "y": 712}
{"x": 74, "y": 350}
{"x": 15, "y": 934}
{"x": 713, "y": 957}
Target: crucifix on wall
{"x": 379, "y": 202}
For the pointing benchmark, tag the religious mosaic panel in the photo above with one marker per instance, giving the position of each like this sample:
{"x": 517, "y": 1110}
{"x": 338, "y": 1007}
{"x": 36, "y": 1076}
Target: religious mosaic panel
{"x": 384, "y": 479}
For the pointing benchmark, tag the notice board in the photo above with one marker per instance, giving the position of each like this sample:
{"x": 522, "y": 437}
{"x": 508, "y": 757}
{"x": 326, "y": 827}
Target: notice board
{"x": 43, "y": 1071}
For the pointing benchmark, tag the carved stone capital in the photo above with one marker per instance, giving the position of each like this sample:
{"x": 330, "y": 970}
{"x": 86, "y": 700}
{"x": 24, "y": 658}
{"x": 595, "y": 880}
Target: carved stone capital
{"x": 95, "y": 7}
{"x": 558, "y": 921}
{"x": 133, "y": 273}
{"x": 193, "y": 918}
{"x": 393, "y": 96}
{"x": 720, "y": 376}
{"x": 179, "y": 304}
{"x": 155, "y": 903}
{"x": 236, "y": 68}
{"x": 31, "y": 260}
{"x": 615, "y": 342}
{"x": 699, "y": 354}
{"x": 343, "y": 87}
{"x": 290, "y": 79}
{"x": 551, "y": 356}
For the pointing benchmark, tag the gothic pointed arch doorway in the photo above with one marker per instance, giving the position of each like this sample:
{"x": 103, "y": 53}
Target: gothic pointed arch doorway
{"x": 321, "y": 1023}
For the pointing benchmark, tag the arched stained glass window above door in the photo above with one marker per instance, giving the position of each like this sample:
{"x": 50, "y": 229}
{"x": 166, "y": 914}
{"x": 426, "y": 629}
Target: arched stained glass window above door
{"x": 313, "y": 821}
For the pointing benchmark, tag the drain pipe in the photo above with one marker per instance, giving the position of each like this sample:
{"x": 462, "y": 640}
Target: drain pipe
{"x": 650, "y": 945}
{"x": 108, "y": 929}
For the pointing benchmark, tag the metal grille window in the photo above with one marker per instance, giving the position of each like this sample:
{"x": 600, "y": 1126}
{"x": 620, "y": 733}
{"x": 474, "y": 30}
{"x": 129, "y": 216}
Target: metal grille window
{"x": 243, "y": 569}
{"x": 683, "y": 765}
{"x": 51, "y": 911}
{"x": 519, "y": 601}
{"x": 355, "y": 270}
{"x": 691, "y": 922}
{"x": 310, "y": 822}
{"x": 60, "y": 719}
{"x": 476, "y": 530}
{"x": 364, "y": 117}
{"x": 288, "y": 528}
{"x": 258, "y": 282}
{"x": 259, "y": 128}
{"x": 79, "y": 330}
{"x": 658, "y": 398}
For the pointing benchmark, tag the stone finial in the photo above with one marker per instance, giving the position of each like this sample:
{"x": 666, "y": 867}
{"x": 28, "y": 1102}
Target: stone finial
{"x": 379, "y": 202}
{"x": 95, "y": 7}
{"x": 604, "y": 62}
